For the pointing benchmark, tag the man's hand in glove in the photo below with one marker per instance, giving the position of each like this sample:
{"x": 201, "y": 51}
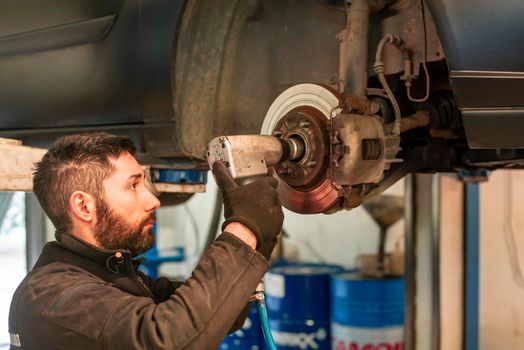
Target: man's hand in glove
{"x": 255, "y": 205}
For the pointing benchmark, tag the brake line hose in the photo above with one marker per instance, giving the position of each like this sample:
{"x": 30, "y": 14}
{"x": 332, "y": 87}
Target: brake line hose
{"x": 378, "y": 68}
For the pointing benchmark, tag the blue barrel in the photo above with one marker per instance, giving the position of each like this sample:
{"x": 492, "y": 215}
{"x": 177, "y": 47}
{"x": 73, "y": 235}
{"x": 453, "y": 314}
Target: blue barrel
{"x": 297, "y": 300}
{"x": 367, "y": 313}
{"x": 249, "y": 337}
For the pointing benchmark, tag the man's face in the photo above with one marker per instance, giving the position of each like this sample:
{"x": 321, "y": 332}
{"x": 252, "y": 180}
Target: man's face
{"x": 125, "y": 213}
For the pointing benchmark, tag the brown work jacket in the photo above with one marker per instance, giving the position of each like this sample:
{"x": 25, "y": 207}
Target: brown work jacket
{"x": 80, "y": 297}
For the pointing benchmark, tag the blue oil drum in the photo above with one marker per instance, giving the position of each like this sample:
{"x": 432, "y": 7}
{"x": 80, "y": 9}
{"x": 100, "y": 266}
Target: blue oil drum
{"x": 367, "y": 313}
{"x": 297, "y": 300}
{"x": 249, "y": 337}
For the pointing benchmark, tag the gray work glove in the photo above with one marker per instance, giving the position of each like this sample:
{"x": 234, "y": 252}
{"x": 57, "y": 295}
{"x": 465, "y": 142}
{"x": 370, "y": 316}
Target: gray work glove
{"x": 255, "y": 205}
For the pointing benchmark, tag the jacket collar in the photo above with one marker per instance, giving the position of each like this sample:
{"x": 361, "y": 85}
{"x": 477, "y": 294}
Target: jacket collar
{"x": 114, "y": 260}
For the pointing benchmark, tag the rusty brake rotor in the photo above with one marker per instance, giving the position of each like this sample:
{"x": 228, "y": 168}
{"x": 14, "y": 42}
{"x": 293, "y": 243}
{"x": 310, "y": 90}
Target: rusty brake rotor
{"x": 303, "y": 112}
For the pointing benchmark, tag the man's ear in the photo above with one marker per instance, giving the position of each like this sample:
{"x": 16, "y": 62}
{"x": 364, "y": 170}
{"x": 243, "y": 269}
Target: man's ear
{"x": 82, "y": 206}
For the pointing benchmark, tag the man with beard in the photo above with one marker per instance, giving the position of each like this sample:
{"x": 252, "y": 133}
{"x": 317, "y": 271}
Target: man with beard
{"x": 85, "y": 291}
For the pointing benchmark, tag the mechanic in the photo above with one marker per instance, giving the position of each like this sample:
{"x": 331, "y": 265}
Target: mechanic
{"x": 85, "y": 291}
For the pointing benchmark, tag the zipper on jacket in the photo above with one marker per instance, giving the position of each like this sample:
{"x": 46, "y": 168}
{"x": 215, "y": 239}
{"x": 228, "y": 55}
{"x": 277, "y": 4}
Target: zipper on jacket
{"x": 136, "y": 277}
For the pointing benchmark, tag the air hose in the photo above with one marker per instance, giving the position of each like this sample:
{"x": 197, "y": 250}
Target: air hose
{"x": 261, "y": 306}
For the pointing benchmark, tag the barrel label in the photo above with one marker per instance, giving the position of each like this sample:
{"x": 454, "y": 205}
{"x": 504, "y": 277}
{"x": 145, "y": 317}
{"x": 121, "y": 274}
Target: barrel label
{"x": 355, "y": 338}
{"x": 274, "y": 285}
{"x": 301, "y": 340}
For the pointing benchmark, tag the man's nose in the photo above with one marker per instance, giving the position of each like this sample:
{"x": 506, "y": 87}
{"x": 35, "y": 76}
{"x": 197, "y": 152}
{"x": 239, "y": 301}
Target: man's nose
{"x": 152, "y": 201}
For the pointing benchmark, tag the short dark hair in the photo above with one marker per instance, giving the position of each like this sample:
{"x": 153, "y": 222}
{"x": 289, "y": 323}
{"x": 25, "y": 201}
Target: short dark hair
{"x": 75, "y": 163}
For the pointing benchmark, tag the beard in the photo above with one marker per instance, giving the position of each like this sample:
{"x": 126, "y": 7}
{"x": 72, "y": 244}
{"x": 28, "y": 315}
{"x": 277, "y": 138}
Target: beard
{"x": 113, "y": 231}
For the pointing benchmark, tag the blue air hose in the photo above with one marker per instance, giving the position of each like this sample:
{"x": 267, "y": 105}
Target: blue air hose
{"x": 261, "y": 306}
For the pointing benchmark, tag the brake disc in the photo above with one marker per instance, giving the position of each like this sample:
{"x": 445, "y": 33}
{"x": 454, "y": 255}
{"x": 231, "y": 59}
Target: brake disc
{"x": 303, "y": 111}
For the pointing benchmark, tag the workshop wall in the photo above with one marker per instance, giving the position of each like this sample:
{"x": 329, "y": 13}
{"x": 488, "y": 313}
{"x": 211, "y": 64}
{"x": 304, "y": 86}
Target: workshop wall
{"x": 12, "y": 256}
{"x": 501, "y": 261}
{"x": 338, "y": 238}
